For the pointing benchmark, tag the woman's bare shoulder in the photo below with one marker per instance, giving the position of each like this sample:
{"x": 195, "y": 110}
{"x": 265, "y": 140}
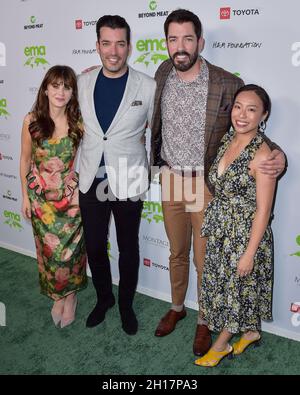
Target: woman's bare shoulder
{"x": 28, "y": 118}
{"x": 262, "y": 153}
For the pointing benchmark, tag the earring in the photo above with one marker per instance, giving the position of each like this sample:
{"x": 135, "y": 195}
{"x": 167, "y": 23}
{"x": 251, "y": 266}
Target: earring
{"x": 262, "y": 126}
{"x": 46, "y": 93}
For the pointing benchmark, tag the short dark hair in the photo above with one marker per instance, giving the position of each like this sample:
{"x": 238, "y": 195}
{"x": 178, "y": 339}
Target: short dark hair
{"x": 114, "y": 22}
{"x": 261, "y": 93}
{"x": 180, "y": 16}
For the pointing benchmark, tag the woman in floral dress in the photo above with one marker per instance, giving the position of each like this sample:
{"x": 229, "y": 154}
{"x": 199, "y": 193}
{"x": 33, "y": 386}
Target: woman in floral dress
{"x": 238, "y": 275}
{"x": 50, "y": 137}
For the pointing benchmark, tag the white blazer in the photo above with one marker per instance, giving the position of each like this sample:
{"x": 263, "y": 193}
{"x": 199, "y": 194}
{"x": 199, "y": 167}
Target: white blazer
{"x": 123, "y": 144}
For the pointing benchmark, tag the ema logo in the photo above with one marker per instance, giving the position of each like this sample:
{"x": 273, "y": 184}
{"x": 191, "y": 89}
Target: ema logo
{"x": 3, "y": 111}
{"x": 296, "y": 55}
{"x": 32, "y": 24}
{"x": 225, "y": 12}
{"x": 79, "y": 24}
{"x": 297, "y": 253}
{"x": 152, "y": 211}
{"x": 109, "y": 250}
{"x": 13, "y": 220}
{"x": 151, "y": 51}
{"x": 35, "y": 55}
{"x": 2, "y": 55}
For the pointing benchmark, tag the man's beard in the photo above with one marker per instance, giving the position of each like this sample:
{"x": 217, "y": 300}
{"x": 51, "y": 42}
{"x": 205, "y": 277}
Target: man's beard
{"x": 185, "y": 66}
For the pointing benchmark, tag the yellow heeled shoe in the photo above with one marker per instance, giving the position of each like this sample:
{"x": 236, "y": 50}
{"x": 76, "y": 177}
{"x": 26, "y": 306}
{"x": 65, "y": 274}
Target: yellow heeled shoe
{"x": 240, "y": 346}
{"x": 213, "y": 358}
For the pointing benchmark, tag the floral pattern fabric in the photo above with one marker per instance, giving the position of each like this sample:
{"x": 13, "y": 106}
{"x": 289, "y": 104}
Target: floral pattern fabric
{"x": 227, "y": 300}
{"x": 56, "y": 220}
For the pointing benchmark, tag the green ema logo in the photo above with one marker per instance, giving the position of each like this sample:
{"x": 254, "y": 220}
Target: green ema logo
{"x": 153, "y": 5}
{"x": 13, "y": 220}
{"x": 35, "y": 56}
{"x": 3, "y": 111}
{"x": 32, "y": 19}
{"x": 297, "y": 253}
{"x": 152, "y": 211}
{"x": 152, "y": 51}
{"x": 108, "y": 250}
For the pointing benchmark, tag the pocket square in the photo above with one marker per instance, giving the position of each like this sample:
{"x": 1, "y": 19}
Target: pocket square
{"x": 136, "y": 103}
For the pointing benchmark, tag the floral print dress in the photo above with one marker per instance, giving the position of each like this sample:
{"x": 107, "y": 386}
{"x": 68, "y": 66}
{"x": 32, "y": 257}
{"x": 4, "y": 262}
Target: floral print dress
{"x": 228, "y": 301}
{"x": 56, "y": 220}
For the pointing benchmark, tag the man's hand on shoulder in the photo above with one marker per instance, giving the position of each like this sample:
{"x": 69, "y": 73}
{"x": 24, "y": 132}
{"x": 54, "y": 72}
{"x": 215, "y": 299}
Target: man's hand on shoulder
{"x": 274, "y": 165}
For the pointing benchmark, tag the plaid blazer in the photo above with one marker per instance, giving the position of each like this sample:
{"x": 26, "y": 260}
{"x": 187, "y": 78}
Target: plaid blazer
{"x": 222, "y": 86}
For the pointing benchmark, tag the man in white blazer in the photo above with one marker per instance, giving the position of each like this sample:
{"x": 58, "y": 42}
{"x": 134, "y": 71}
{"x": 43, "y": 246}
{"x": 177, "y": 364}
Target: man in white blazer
{"x": 116, "y": 103}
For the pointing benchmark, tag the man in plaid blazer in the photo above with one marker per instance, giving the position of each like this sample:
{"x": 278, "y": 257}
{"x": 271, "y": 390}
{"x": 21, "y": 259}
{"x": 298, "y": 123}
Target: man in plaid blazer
{"x": 191, "y": 114}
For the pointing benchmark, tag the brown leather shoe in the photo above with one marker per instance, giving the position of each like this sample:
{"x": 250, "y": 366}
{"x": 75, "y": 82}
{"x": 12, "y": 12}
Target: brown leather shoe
{"x": 202, "y": 341}
{"x": 168, "y": 323}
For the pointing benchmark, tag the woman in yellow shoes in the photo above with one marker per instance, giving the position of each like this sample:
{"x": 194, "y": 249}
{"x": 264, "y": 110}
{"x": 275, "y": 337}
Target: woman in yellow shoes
{"x": 236, "y": 292}
{"x": 220, "y": 351}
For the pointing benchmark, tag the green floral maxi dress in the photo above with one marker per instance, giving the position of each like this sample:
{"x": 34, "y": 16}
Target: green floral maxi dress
{"x": 52, "y": 187}
{"x": 227, "y": 300}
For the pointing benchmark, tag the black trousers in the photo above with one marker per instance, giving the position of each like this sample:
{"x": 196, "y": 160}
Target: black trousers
{"x": 96, "y": 218}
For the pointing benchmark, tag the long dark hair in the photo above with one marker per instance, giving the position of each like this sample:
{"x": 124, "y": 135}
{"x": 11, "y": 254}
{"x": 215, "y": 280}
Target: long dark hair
{"x": 42, "y": 126}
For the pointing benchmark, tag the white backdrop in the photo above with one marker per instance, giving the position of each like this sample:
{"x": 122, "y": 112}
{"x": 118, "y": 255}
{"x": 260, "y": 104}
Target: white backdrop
{"x": 258, "y": 39}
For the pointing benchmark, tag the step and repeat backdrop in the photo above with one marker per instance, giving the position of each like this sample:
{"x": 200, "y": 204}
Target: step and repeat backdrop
{"x": 259, "y": 40}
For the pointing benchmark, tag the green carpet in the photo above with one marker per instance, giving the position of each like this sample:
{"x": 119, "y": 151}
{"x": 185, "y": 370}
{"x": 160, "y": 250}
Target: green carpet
{"x": 30, "y": 344}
